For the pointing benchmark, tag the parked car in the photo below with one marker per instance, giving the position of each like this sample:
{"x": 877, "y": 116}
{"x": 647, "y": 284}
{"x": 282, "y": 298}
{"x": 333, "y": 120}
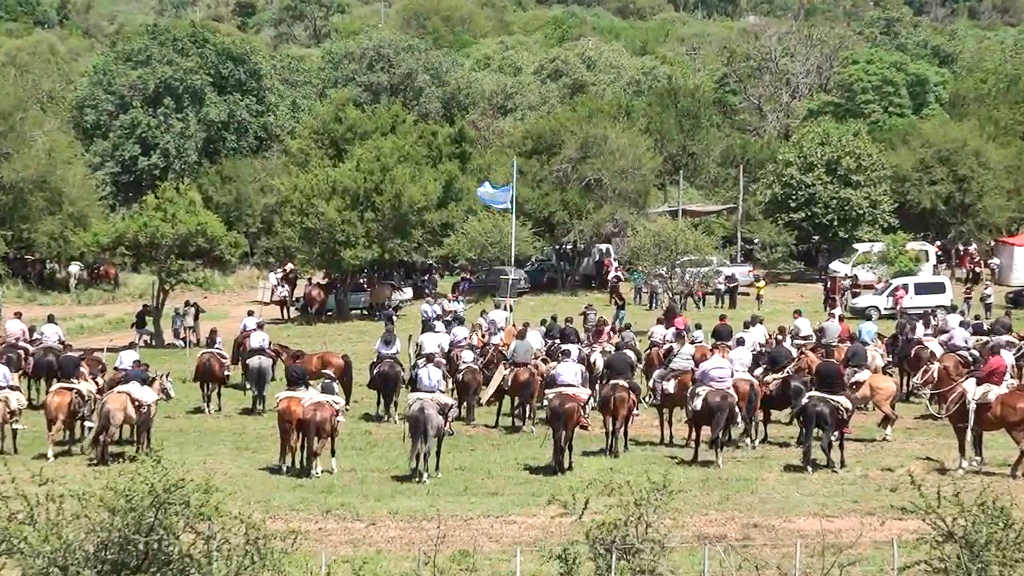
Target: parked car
{"x": 699, "y": 266}
{"x": 859, "y": 261}
{"x": 1015, "y": 298}
{"x": 544, "y": 275}
{"x": 924, "y": 293}
{"x": 488, "y": 281}
{"x": 359, "y": 298}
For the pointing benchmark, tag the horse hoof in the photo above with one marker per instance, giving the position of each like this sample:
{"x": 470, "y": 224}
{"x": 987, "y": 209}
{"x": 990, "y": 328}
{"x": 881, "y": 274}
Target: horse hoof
{"x": 835, "y": 470}
{"x": 437, "y": 475}
{"x": 887, "y": 438}
{"x": 50, "y": 458}
{"x": 426, "y": 481}
{"x": 718, "y": 465}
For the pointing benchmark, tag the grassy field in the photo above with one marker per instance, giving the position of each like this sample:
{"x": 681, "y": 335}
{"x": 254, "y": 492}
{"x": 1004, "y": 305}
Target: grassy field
{"x": 496, "y": 495}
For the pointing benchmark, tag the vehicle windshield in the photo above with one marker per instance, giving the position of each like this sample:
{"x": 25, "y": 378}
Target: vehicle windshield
{"x": 881, "y": 289}
{"x": 849, "y": 256}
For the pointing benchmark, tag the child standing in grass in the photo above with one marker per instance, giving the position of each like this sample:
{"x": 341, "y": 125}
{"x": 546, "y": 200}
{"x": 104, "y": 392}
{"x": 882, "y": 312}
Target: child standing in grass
{"x": 759, "y": 286}
{"x": 177, "y": 324}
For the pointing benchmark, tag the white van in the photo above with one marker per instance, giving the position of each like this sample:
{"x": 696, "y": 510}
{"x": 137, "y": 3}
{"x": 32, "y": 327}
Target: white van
{"x": 859, "y": 261}
{"x": 923, "y": 293}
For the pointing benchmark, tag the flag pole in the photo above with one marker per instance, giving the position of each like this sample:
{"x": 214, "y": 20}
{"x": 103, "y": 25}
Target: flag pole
{"x": 512, "y": 254}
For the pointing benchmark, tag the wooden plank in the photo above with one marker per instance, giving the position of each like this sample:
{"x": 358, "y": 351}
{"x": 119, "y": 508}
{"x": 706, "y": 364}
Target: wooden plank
{"x": 499, "y": 374}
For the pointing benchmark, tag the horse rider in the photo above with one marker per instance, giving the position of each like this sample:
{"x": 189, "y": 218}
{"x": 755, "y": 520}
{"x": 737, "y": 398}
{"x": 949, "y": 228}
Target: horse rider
{"x": 387, "y": 315}
{"x": 622, "y": 366}
{"x": 127, "y": 357}
{"x": 499, "y": 316}
{"x": 259, "y": 345}
{"x": 430, "y": 380}
{"x": 801, "y": 332}
{"x": 1002, "y": 326}
{"x": 958, "y": 341}
{"x": 570, "y": 373}
{"x": 16, "y": 334}
{"x": 715, "y": 373}
{"x": 554, "y": 331}
{"x": 520, "y": 353}
{"x": 459, "y": 334}
{"x": 50, "y": 334}
{"x": 778, "y": 359}
{"x": 867, "y": 332}
{"x": 388, "y": 347}
{"x": 569, "y": 339}
{"x": 7, "y": 384}
{"x": 535, "y": 338}
{"x": 427, "y": 315}
{"x": 741, "y": 358}
{"x": 828, "y": 380}
{"x": 434, "y": 344}
{"x": 249, "y": 322}
{"x": 677, "y": 362}
{"x": 830, "y": 330}
{"x": 656, "y": 334}
{"x": 855, "y": 361}
{"x": 589, "y": 315}
{"x": 69, "y": 367}
{"x": 139, "y": 372}
{"x": 991, "y": 377}
{"x": 296, "y": 377}
{"x": 628, "y": 339}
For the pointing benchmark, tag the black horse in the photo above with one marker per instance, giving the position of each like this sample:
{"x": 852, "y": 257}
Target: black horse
{"x": 386, "y": 381}
{"x": 11, "y": 356}
{"x": 44, "y": 368}
{"x": 821, "y": 414}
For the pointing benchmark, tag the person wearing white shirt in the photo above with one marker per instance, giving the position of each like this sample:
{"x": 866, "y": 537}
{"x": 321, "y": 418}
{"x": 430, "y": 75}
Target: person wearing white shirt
{"x": 50, "y": 333}
{"x": 6, "y": 378}
{"x": 748, "y": 337}
{"x": 801, "y": 331}
{"x": 759, "y": 333}
{"x": 499, "y": 316}
{"x": 467, "y": 357}
{"x": 570, "y": 374}
{"x": 443, "y": 339}
{"x": 534, "y": 337}
{"x": 259, "y": 340}
{"x": 740, "y": 357}
{"x": 656, "y": 334}
{"x": 458, "y": 306}
{"x": 482, "y": 322}
{"x": 427, "y": 316}
{"x": 434, "y": 342}
{"x": 125, "y": 358}
{"x": 249, "y": 322}
{"x": 459, "y": 335}
{"x": 952, "y": 321}
{"x": 438, "y": 310}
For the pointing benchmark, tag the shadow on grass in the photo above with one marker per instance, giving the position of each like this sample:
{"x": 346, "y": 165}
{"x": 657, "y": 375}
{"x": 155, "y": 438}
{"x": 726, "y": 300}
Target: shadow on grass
{"x": 546, "y": 470}
{"x": 407, "y": 478}
{"x": 591, "y": 453}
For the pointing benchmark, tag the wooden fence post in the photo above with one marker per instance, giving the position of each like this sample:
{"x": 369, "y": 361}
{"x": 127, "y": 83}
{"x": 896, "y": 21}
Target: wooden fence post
{"x": 519, "y": 560}
{"x": 615, "y": 558}
{"x": 796, "y": 564}
{"x": 895, "y": 557}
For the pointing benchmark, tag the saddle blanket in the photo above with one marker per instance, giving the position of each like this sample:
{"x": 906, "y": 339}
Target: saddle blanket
{"x": 315, "y": 398}
{"x": 443, "y": 401}
{"x": 463, "y": 368}
{"x": 630, "y": 354}
{"x": 13, "y": 399}
{"x": 140, "y": 394}
{"x": 697, "y": 396}
{"x": 223, "y": 355}
{"x": 841, "y": 402}
{"x": 860, "y": 376}
{"x": 743, "y": 376}
{"x": 578, "y": 392}
{"x": 984, "y": 393}
{"x": 574, "y": 351}
{"x": 292, "y": 394}
{"x": 876, "y": 359}
{"x": 86, "y": 388}
{"x": 933, "y": 345}
{"x": 1008, "y": 341}
{"x": 975, "y": 340}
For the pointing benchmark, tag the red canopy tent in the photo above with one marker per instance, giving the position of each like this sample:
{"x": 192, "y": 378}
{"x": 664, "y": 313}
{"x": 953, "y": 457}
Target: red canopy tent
{"x": 1010, "y": 251}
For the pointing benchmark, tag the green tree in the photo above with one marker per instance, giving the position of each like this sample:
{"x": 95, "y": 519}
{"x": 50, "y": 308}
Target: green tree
{"x": 150, "y": 519}
{"x": 675, "y": 248}
{"x": 830, "y": 181}
{"x": 161, "y": 103}
{"x": 307, "y": 21}
{"x": 484, "y": 239}
{"x": 173, "y": 235}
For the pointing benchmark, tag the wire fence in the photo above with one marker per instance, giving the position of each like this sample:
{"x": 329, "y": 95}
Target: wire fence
{"x": 821, "y": 557}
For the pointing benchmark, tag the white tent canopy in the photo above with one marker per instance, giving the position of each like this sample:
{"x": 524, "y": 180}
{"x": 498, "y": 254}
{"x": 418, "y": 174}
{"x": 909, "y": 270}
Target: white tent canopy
{"x": 1010, "y": 251}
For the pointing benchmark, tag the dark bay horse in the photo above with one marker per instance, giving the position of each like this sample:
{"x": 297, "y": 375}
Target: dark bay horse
{"x": 653, "y": 360}
{"x": 523, "y": 391}
{"x": 468, "y": 384}
{"x": 314, "y": 299}
{"x": 565, "y": 412}
{"x": 717, "y": 412}
{"x": 821, "y": 414}
{"x": 106, "y": 273}
{"x": 44, "y": 369}
{"x": 289, "y": 426}
{"x": 315, "y": 363}
{"x": 748, "y": 392}
{"x": 319, "y": 424}
{"x": 672, "y": 401}
{"x": 616, "y": 405}
{"x": 239, "y": 349}
{"x": 387, "y": 382}
{"x": 209, "y": 372}
{"x": 786, "y": 395}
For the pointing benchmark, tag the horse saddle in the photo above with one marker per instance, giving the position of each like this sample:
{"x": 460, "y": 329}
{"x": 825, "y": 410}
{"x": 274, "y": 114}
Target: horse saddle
{"x": 842, "y": 403}
{"x": 965, "y": 358}
{"x": 698, "y": 393}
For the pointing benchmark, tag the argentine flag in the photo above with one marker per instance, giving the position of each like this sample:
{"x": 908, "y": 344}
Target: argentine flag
{"x": 500, "y": 198}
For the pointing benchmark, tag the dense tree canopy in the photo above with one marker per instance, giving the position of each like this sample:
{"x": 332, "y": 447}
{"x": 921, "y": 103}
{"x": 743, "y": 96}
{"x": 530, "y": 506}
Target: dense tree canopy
{"x": 349, "y": 135}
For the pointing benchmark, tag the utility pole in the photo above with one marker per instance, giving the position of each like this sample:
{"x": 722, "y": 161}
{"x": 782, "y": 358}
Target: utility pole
{"x": 679, "y": 199}
{"x": 739, "y": 221}
{"x": 381, "y": 25}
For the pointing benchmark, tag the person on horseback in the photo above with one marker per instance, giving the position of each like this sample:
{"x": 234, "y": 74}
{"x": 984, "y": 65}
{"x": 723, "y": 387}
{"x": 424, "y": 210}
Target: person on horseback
{"x": 778, "y": 359}
{"x": 16, "y": 334}
{"x": 69, "y": 366}
{"x": 589, "y": 315}
{"x": 867, "y": 332}
{"x": 601, "y": 332}
{"x": 1002, "y": 326}
{"x": 830, "y": 330}
{"x": 459, "y": 335}
{"x": 249, "y": 322}
{"x": 828, "y": 380}
{"x": 569, "y": 373}
{"x": 554, "y": 331}
{"x": 989, "y": 380}
{"x": 387, "y": 315}
{"x": 622, "y": 366}
{"x": 259, "y": 345}
{"x": 715, "y": 373}
{"x": 433, "y": 344}
{"x": 7, "y": 384}
{"x": 958, "y": 341}
{"x": 127, "y": 357}
{"x": 430, "y": 380}
{"x": 801, "y": 332}
{"x": 535, "y": 338}
{"x": 296, "y": 377}
{"x": 741, "y": 357}
{"x": 50, "y": 334}
{"x": 520, "y": 353}
{"x": 139, "y": 372}
{"x": 678, "y": 361}
{"x": 388, "y": 347}
{"x": 656, "y": 334}
{"x": 855, "y": 362}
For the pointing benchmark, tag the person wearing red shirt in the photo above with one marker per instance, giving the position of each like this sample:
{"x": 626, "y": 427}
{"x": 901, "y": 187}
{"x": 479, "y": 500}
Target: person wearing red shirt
{"x": 845, "y": 332}
{"x": 989, "y": 380}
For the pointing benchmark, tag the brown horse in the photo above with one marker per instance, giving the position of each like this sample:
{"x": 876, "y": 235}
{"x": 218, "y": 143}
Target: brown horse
{"x": 239, "y": 350}
{"x": 5, "y": 422}
{"x": 1005, "y": 413}
{"x": 210, "y": 371}
{"x": 289, "y": 425}
{"x": 748, "y": 392}
{"x": 523, "y": 392}
{"x": 318, "y": 425}
{"x": 96, "y": 365}
{"x": 565, "y": 412}
{"x": 653, "y": 360}
{"x": 314, "y": 299}
{"x": 106, "y": 273}
{"x": 117, "y": 408}
{"x": 316, "y": 363}
{"x": 62, "y": 408}
{"x": 882, "y": 392}
{"x": 717, "y": 412}
{"x": 290, "y": 279}
{"x": 616, "y": 405}
{"x": 468, "y": 384}
{"x": 701, "y": 352}
{"x": 670, "y": 402}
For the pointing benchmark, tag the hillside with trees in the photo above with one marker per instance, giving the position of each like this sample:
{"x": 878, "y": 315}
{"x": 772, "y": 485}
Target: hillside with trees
{"x": 348, "y": 134}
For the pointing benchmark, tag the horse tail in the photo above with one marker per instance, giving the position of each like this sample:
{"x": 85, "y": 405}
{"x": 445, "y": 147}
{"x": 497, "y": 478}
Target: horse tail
{"x": 810, "y": 423}
{"x": 718, "y": 423}
{"x": 752, "y": 396}
{"x": 346, "y": 378}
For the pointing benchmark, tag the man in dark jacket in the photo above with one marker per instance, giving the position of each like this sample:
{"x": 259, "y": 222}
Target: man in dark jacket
{"x": 856, "y": 362}
{"x": 1002, "y": 326}
{"x": 722, "y": 332}
{"x": 620, "y": 366}
{"x": 829, "y": 380}
{"x": 569, "y": 334}
{"x": 553, "y": 332}
{"x": 296, "y": 377}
